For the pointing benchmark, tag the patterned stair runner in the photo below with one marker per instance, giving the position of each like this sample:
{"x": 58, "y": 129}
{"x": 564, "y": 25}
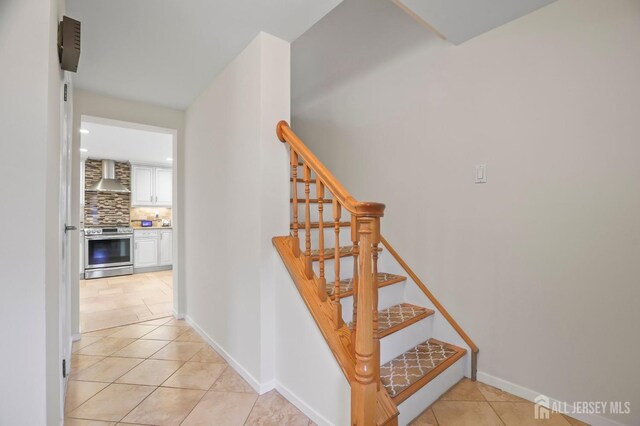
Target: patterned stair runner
{"x": 403, "y": 371}
{"x": 346, "y": 285}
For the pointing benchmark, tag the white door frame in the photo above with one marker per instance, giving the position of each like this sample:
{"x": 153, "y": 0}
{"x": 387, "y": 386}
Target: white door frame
{"x": 64, "y": 297}
{"x": 178, "y": 303}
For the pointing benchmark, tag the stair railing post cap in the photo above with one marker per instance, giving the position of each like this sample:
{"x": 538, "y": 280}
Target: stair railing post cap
{"x": 279, "y": 126}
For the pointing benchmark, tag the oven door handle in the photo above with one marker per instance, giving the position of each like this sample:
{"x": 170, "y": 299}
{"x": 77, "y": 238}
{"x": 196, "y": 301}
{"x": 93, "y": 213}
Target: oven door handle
{"x": 109, "y": 237}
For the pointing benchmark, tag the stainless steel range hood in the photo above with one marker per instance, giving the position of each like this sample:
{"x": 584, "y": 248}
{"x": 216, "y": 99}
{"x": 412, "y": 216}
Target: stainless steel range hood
{"x": 108, "y": 183}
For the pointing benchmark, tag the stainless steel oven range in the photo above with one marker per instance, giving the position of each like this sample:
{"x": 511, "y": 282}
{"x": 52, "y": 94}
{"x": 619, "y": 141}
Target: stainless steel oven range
{"x": 108, "y": 252}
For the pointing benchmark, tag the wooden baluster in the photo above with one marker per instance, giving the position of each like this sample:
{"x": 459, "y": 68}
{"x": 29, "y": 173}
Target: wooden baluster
{"x": 354, "y": 280}
{"x": 322, "y": 281}
{"x": 296, "y": 240}
{"x": 307, "y": 224}
{"x": 365, "y": 386}
{"x": 337, "y": 306}
{"x": 376, "y": 337}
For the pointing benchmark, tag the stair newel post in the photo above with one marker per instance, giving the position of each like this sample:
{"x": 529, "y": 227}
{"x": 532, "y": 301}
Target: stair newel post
{"x": 365, "y": 386}
{"x": 294, "y": 195}
{"x": 354, "y": 280}
{"x": 322, "y": 281}
{"x": 337, "y": 307}
{"x": 307, "y": 224}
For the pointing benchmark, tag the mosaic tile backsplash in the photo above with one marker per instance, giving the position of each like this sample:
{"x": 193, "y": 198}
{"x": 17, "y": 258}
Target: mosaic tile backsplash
{"x": 106, "y": 208}
{"x": 149, "y": 213}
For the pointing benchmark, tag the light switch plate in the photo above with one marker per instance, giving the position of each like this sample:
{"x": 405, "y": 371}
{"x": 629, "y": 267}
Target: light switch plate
{"x": 481, "y": 173}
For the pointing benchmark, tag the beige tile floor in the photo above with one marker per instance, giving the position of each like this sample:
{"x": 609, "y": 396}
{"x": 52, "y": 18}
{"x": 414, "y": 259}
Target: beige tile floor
{"x": 476, "y": 404}
{"x": 160, "y": 372}
{"x": 111, "y": 302}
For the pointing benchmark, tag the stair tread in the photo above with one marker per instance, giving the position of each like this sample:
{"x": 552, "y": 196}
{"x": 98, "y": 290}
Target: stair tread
{"x": 327, "y": 225}
{"x": 408, "y": 372}
{"x": 399, "y": 316}
{"x": 346, "y": 285}
{"x": 301, "y": 180}
{"x": 329, "y": 253}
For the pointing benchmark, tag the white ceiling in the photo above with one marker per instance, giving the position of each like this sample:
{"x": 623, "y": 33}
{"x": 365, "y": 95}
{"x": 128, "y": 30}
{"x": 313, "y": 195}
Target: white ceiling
{"x": 166, "y": 52}
{"x": 461, "y": 20}
{"x": 109, "y": 142}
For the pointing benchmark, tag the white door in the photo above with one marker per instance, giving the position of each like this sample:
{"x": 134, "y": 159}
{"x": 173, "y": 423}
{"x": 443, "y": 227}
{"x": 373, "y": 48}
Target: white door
{"x": 146, "y": 253}
{"x": 166, "y": 247}
{"x": 141, "y": 186}
{"x": 67, "y": 231}
{"x": 164, "y": 184}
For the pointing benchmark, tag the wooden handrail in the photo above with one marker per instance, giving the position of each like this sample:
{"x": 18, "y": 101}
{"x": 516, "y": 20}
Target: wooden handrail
{"x": 431, "y": 297}
{"x": 371, "y": 209}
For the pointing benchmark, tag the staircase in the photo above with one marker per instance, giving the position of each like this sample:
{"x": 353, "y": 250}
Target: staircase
{"x": 396, "y": 344}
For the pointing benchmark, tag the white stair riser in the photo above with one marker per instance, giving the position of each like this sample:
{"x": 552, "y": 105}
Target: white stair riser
{"x": 401, "y": 341}
{"x": 387, "y": 296}
{"x": 427, "y": 395}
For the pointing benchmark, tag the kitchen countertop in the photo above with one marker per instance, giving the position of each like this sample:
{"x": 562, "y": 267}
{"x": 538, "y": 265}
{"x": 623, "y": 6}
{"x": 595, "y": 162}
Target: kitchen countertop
{"x": 140, "y": 228}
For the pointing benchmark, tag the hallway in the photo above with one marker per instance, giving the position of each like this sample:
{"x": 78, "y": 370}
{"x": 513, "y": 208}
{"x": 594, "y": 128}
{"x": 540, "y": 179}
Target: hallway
{"x": 160, "y": 372}
{"x": 116, "y": 301}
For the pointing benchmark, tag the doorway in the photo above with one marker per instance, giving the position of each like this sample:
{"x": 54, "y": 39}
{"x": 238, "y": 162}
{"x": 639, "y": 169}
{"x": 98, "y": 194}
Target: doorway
{"x": 128, "y": 229}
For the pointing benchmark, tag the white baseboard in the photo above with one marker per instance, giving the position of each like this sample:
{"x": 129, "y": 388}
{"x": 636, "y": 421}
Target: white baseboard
{"x": 530, "y": 395}
{"x": 176, "y": 315}
{"x": 302, "y": 405}
{"x": 259, "y": 387}
{"x": 75, "y": 337}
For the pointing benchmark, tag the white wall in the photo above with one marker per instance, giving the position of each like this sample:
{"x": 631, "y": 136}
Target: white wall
{"x": 540, "y": 264}
{"x": 30, "y": 81}
{"x": 306, "y": 370}
{"x": 97, "y": 105}
{"x": 235, "y": 200}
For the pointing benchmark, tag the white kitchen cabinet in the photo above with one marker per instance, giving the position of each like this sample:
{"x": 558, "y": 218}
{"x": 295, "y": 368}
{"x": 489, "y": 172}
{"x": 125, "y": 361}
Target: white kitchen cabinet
{"x": 142, "y": 186}
{"x": 163, "y": 187}
{"x": 151, "y": 186}
{"x": 145, "y": 250}
{"x": 166, "y": 247}
{"x": 152, "y": 247}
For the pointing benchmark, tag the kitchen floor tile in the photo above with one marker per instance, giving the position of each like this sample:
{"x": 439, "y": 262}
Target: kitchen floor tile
{"x": 79, "y": 392}
{"x": 105, "y": 346}
{"x": 230, "y": 381}
{"x": 112, "y": 403}
{"x": 179, "y": 351}
{"x": 141, "y": 348}
{"x": 464, "y": 390}
{"x": 207, "y": 354}
{"x": 165, "y": 332}
{"x": 80, "y": 362}
{"x": 273, "y": 409}
{"x": 165, "y": 407}
{"x": 134, "y": 331}
{"x": 227, "y": 408}
{"x": 150, "y": 372}
{"x": 107, "y": 370}
{"x": 195, "y": 375}
{"x": 465, "y": 413}
{"x": 522, "y": 414}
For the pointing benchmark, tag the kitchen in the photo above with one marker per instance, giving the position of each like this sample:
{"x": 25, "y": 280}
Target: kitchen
{"x": 126, "y": 238}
